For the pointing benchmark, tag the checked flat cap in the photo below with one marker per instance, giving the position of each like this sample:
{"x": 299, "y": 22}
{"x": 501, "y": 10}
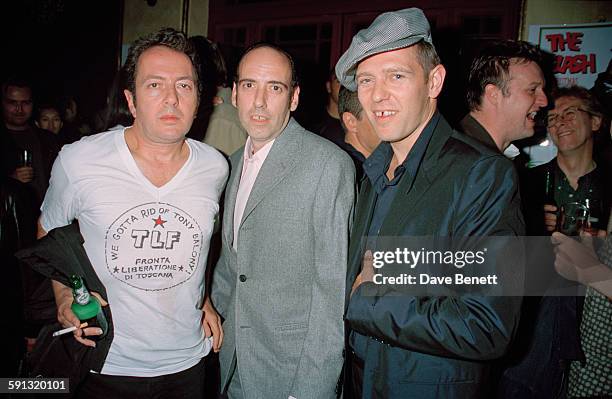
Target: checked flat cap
{"x": 389, "y": 31}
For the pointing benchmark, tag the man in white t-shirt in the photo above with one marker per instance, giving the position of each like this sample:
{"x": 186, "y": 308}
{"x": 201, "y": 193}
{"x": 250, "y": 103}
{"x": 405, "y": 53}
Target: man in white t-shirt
{"x": 146, "y": 199}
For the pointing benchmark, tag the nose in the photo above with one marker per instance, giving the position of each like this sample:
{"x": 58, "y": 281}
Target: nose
{"x": 260, "y": 98}
{"x": 541, "y": 99}
{"x": 379, "y": 91}
{"x": 170, "y": 96}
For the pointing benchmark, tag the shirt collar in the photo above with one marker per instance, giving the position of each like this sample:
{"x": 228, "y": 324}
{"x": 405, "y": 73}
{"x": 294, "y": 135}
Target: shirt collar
{"x": 260, "y": 155}
{"x": 376, "y": 165}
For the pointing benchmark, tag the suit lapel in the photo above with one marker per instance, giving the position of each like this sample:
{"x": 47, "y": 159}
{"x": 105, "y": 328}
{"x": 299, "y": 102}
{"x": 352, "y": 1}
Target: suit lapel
{"x": 277, "y": 165}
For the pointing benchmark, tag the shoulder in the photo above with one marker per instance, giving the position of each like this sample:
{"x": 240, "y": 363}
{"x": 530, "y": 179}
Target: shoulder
{"x": 205, "y": 151}
{"x": 48, "y": 139}
{"x": 466, "y": 151}
{"x": 320, "y": 148}
{"x": 539, "y": 172}
{"x": 89, "y": 146}
{"x": 207, "y": 155}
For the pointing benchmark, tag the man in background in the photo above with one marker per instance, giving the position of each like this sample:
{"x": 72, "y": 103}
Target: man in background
{"x": 505, "y": 92}
{"x": 329, "y": 126}
{"x": 30, "y": 151}
{"x": 360, "y": 140}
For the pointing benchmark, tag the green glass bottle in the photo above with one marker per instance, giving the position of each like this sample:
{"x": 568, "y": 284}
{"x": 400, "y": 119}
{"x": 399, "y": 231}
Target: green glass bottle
{"x": 549, "y": 189}
{"x": 87, "y": 307}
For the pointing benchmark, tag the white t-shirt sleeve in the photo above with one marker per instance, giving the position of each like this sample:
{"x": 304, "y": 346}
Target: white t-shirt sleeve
{"x": 59, "y": 207}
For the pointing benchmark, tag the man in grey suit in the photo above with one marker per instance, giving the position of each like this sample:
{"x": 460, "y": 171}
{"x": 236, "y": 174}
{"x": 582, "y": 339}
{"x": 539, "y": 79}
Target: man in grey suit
{"x": 280, "y": 281}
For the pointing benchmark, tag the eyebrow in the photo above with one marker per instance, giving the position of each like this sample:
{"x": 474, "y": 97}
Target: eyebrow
{"x": 386, "y": 70}
{"x": 397, "y": 69}
{"x": 270, "y": 82}
{"x": 158, "y": 77}
{"x": 575, "y": 107}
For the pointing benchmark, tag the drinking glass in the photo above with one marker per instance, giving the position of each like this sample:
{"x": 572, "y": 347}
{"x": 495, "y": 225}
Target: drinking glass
{"x": 572, "y": 217}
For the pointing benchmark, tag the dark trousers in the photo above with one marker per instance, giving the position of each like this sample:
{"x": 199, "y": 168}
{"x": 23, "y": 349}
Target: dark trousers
{"x": 356, "y": 377}
{"x": 186, "y": 384}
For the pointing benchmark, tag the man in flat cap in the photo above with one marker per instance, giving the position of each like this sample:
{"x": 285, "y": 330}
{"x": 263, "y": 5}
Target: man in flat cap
{"x": 424, "y": 179}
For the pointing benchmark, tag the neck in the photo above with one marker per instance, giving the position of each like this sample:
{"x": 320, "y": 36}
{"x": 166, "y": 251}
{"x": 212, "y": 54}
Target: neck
{"x": 332, "y": 109}
{"x": 258, "y": 145}
{"x": 18, "y": 128}
{"x": 489, "y": 124}
{"x": 576, "y": 164}
{"x": 402, "y": 148}
{"x": 354, "y": 141}
{"x": 147, "y": 150}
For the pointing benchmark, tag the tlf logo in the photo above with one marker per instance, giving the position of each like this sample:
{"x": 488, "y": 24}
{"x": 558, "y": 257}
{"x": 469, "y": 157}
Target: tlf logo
{"x": 156, "y": 239}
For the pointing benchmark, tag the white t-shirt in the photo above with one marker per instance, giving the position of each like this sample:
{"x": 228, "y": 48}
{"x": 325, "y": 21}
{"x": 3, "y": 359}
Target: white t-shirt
{"x": 148, "y": 246}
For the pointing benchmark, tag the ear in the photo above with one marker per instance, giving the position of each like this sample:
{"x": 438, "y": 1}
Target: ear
{"x": 595, "y": 123}
{"x": 349, "y": 121}
{"x": 327, "y": 87}
{"x": 234, "y": 95}
{"x": 130, "y": 100}
{"x": 436, "y": 80}
{"x": 36, "y": 123}
{"x": 492, "y": 94}
{"x": 295, "y": 98}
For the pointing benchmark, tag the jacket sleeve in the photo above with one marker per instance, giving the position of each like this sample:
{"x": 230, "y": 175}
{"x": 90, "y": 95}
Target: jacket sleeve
{"x": 473, "y": 327}
{"x": 321, "y": 360}
{"x": 223, "y": 285}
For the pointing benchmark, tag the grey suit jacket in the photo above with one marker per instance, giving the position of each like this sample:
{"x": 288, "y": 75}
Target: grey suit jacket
{"x": 282, "y": 292}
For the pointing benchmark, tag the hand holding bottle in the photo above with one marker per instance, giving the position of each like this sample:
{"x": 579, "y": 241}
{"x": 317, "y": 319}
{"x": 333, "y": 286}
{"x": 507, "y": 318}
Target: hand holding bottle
{"x": 66, "y": 317}
{"x": 550, "y": 217}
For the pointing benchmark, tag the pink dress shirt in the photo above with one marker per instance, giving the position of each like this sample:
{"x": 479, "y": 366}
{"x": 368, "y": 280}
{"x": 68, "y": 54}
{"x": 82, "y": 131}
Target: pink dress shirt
{"x": 252, "y": 163}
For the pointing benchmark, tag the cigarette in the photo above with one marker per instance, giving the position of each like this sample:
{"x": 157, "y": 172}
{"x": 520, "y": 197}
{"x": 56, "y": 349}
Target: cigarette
{"x": 67, "y": 330}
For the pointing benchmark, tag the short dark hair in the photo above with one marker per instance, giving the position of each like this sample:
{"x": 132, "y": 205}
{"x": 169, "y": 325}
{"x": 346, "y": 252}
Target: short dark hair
{"x": 167, "y": 37}
{"x": 589, "y": 101}
{"x": 213, "y": 71}
{"x": 46, "y": 106}
{"x": 427, "y": 56}
{"x": 16, "y": 81}
{"x": 348, "y": 101}
{"x": 294, "y": 78}
{"x": 492, "y": 66}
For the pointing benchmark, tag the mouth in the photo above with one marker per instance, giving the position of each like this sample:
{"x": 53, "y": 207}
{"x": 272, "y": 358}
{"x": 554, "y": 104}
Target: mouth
{"x": 564, "y": 133}
{"x": 169, "y": 118}
{"x": 532, "y": 116}
{"x": 382, "y": 115}
{"x": 259, "y": 118}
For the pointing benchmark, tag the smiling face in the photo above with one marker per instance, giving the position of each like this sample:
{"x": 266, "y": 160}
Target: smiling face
{"x": 263, "y": 94}
{"x": 166, "y": 98}
{"x": 571, "y": 135}
{"x": 49, "y": 119}
{"x": 524, "y": 97}
{"x": 397, "y": 97}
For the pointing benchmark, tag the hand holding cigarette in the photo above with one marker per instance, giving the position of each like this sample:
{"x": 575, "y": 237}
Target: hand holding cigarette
{"x": 67, "y": 330}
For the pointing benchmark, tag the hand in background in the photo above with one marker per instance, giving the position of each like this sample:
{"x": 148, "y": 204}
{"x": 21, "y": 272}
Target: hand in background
{"x": 24, "y": 174}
